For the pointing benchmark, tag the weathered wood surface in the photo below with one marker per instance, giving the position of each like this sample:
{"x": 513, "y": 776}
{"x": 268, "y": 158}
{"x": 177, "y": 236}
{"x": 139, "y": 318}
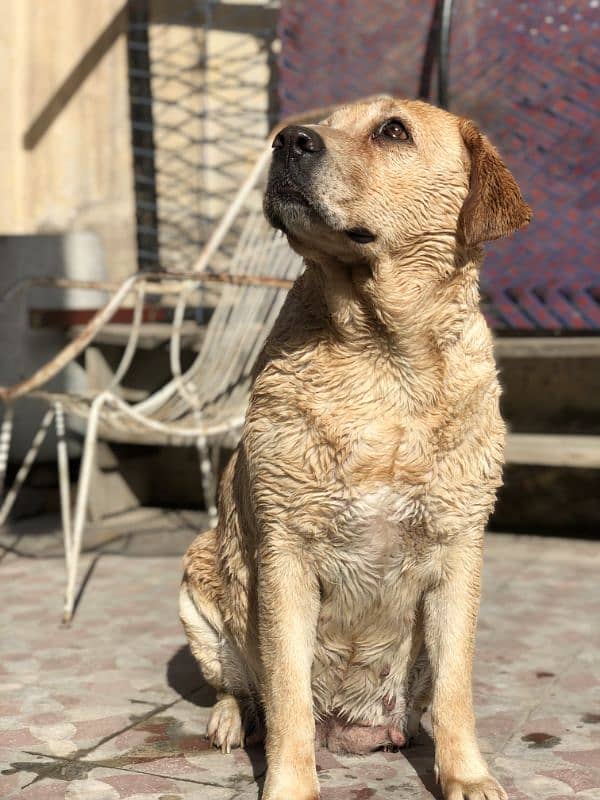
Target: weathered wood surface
{"x": 553, "y": 450}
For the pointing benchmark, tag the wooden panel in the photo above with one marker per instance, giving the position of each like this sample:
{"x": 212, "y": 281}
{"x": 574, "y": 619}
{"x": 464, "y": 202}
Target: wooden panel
{"x": 553, "y": 450}
{"x": 548, "y": 347}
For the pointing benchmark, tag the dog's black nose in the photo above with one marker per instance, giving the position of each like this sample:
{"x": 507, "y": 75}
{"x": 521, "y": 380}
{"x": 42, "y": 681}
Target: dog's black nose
{"x": 297, "y": 141}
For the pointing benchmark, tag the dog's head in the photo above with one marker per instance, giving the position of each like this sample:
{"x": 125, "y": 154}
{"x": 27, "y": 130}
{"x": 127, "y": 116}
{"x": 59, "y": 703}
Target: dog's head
{"x": 376, "y": 176}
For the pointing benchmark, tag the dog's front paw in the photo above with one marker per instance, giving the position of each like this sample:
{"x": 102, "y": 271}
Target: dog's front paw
{"x": 291, "y": 789}
{"x": 464, "y": 774}
{"x": 291, "y": 794}
{"x": 225, "y": 728}
{"x": 484, "y": 789}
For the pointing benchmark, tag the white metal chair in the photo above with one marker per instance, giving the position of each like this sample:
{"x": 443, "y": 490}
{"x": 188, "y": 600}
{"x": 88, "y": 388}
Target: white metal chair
{"x": 250, "y": 266}
{"x": 253, "y": 267}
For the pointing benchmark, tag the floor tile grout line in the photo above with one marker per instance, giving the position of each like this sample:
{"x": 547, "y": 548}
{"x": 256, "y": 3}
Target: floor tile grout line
{"x": 186, "y": 780}
{"x": 86, "y": 751}
{"x": 100, "y": 765}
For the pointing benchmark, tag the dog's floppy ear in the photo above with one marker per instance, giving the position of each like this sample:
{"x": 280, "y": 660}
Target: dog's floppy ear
{"x": 494, "y": 206}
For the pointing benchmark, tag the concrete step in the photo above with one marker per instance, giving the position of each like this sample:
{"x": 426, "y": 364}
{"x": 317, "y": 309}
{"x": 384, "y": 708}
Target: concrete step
{"x": 553, "y": 450}
{"x": 547, "y": 347}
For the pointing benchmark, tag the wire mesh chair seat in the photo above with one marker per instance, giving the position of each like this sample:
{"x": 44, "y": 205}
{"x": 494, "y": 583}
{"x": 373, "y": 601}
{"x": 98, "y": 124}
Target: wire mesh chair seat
{"x": 200, "y": 405}
{"x": 211, "y": 395}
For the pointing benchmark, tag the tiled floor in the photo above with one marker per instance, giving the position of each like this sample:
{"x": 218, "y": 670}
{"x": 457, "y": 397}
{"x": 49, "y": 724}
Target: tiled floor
{"x": 113, "y": 707}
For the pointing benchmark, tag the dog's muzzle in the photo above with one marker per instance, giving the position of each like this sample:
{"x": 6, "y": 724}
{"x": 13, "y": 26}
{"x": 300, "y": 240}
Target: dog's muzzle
{"x": 298, "y": 145}
{"x": 297, "y": 150}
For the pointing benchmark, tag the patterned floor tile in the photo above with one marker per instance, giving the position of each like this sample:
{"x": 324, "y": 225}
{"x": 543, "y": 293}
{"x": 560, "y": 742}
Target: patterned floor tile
{"x": 114, "y": 707}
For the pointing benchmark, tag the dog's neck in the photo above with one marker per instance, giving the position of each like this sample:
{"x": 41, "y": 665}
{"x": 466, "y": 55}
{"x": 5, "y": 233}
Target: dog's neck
{"x": 411, "y": 307}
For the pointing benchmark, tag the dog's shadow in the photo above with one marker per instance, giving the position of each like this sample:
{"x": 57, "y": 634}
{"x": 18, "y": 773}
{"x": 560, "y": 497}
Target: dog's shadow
{"x": 420, "y": 755}
{"x": 183, "y": 675}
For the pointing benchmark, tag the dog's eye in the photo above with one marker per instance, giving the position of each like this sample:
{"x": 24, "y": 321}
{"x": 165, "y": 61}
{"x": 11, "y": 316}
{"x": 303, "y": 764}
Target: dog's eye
{"x": 393, "y": 129}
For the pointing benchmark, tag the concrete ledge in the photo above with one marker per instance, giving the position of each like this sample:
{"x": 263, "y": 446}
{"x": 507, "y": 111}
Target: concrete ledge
{"x": 553, "y": 450}
{"x": 547, "y": 347}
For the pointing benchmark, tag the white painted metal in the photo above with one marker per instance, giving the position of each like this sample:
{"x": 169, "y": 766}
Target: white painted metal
{"x": 5, "y": 439}
{"x": 64, "y": 481}
{"x": 198, "y": 406}
{"x": 10, "y": 497}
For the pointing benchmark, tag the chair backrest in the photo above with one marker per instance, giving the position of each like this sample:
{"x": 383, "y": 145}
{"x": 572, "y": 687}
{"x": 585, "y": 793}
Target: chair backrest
{"x": 243, "y": 315}
{"x": 218, "y": 381}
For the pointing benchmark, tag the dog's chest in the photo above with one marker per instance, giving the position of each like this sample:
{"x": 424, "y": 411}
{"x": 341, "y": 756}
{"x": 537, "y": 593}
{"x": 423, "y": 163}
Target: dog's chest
{"x": 376, "y": 524}
{"x": 372, "y": 577}
{"x": 376, "y": 542}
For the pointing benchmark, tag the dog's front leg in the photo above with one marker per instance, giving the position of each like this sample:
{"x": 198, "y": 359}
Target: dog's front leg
{"x": 450, "y": 620}
{"x": 288, "y": 612}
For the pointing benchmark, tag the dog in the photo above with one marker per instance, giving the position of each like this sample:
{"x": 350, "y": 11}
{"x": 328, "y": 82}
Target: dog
{"x": 337, "y": 596}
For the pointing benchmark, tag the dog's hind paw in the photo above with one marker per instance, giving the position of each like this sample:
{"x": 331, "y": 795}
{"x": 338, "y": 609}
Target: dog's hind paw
{"x": 225, "y": 728}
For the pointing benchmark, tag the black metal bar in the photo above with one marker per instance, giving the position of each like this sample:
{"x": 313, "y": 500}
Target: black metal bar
{"x": 142, "y": 133}
{"x": 444, "y": 53}
{"x": 430, "y": 56}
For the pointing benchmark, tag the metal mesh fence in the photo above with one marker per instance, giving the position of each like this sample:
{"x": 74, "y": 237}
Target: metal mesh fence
{"x": 208, "y": 79}
{"x": 202, "y": 77}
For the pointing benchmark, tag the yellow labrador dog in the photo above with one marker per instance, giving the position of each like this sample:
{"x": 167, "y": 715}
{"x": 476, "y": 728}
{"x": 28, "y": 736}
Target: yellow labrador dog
{"x": 338, "y": 595}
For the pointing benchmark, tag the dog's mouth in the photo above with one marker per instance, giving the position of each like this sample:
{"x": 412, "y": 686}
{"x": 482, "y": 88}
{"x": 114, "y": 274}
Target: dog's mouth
{"x": 286, "y": 203}
{"x": 287, "y": 192}
{"x": 360, "y": 235}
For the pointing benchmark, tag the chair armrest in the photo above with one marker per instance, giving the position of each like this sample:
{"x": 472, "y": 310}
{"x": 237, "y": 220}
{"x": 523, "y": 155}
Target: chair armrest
{"x": 217, "y": 277}
{"x": 167, "y": 283}
{"x": 55, "y": 283}
{"x": 73, "y": 349}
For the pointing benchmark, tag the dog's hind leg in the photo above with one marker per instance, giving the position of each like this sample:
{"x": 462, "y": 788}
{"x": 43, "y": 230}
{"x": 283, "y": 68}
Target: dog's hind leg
{"x": 419, "y": 693}
{"x": 219, "y": 660}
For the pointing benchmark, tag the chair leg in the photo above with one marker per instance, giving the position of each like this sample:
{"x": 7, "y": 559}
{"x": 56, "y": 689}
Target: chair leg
{"x": 28, "y": 461}
{"x": 63, "y": 480}
{"x": 5, "y": 439}
{"x": 209, "y": 482}
{"x": 83, "y": 490}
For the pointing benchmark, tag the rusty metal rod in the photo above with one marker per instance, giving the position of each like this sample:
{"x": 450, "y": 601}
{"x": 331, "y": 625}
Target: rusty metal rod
{"x": 114, "y": 286}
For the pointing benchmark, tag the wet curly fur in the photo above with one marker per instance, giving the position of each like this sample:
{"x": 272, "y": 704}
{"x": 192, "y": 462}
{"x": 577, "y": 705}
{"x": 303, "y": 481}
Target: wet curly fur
{"x": 338, "y": 594}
